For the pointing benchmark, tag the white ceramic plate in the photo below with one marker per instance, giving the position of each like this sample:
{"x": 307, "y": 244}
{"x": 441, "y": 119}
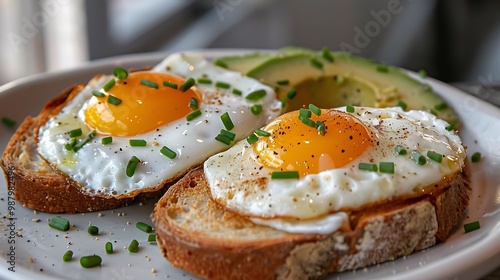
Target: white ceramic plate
{"x": 38, "y": 249}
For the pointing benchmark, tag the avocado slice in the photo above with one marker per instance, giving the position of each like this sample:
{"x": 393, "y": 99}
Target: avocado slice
{"x": 344, "y": 80}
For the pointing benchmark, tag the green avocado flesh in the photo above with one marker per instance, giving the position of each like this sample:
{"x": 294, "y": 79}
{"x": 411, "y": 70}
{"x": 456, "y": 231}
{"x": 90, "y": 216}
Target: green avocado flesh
{"x": 348, "y": 80}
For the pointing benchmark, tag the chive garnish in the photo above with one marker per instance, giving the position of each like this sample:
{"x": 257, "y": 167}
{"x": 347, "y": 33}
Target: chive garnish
{"x": 90, "y": 261}
{"x": 305, "y": 112}
{"x": 187, "y": 84}
{"x": 59, "y": 223}
{"x": 226, "y": 121}
{"x": 223, "y": 139}
{"x": 144, "y": 227}
{"x": 471, "y": 226}
{"x": 307, "y": 121}
{"x": 108, "y": 247}
{"x": 402, "y": 105}
{"x": 418, "y": 158}
{"x": 435, "y": 156}
{"x": 84, "y": 140}
{"x": 327, "y": 55}
{"x": 111, "y": 83}
{"x": 256, "y": 95}
{"x": 193, "y": 115}
{"x": 291, "y": 93}
{"x": 284, "y": 175}
{"x": 120, "y": 73}
{"x": 256, "y": 109}
{"x": 97, "y": 93}
{"x": 204, "y": 81}
{"x": 433, "y": 112}
{"x": 107, "y": 140}
{"x": 8, "y": 122}
{"x": 349, "y": 109}
{"x": 476, "y": 157}
{"x": 75, "y": 132}
{"x": 138, "y": 142}
{"x": 131, "y": 166}
{"x": 149, "y": 83}
{"x": 168, "y": 152}
{"x": 222, "y": 85}
{"x": 263, "y": 133}
{"x": 283, "y": 102}
{"x": 114, "y": 100}
{"x": 422, "y": 73}
{"x": 450, "y": 127}
{"x": 133, "y": 247}
{"x": 228, "y": 134}
{"x": 93, "y": 230}
{"x": 321, "y": 127}
{"x": 400, "y": 150}
{"x": 382, "y": 68}
{"x": 68, "y": 256}
{"x": 283, "y": 82}
{"x": 237, "y": 92}
{"x": 170, "y": 85}
{"x": 220, "y": 63}
{"x": 252, "y": 138}
{"x": 152, "y": 238}
{"x": 440, "y": 106}
{"x": 193, "y": 103}
{"x": 70, "y": 144}
{"x": 386, "y": 167}
{"x": 316, "y": 63}
{"x": 367, "y": 166}
{"x": 316, "y": 110}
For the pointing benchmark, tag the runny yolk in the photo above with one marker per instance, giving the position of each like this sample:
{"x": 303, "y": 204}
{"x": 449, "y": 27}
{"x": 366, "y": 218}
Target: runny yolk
{"x": 295, "y": 146}
{"x": 142, "y": 108}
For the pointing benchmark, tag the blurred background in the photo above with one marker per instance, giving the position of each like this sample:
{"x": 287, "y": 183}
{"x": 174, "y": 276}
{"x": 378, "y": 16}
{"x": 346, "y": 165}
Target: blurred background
{"x": 453, "y": 40}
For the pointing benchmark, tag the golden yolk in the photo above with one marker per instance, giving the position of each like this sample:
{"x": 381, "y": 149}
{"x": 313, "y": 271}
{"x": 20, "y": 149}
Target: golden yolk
{"x": 295, "y": 146}
{"x": 142, "y": 108}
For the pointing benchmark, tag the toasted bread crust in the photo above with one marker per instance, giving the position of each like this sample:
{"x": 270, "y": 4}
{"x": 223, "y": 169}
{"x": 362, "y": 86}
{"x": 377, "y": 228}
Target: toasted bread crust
{"x": 197, "y": 235}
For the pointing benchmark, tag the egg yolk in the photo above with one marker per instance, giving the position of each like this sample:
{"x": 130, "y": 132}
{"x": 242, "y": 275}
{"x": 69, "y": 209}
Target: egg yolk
{"x": 141, "y": 107}
{"x": 295, "y": 146}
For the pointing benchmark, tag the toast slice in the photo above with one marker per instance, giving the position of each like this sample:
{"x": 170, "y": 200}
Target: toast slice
{"x": 38, "y": 186}
{"x": 199, "y": 236}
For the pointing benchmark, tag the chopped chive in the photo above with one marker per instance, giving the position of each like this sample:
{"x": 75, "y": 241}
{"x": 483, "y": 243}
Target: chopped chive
{"x": 193, "y": 115}
{"x": 476, "y": 157}
{"x": 144, "y": 227}
{"x": 111, "y": 83}
{"x": 152, "y": 238}
{"x": 472, "y": 226}
{"x": 8, "y": 122}
{"x": 75, "y": 132}
{"x": 107, "y": 140}
{"x": 327, "y": 55}
{"x": 252, "y": 138}
{"x": 222, "y": 85}
{"x": 138, "y": 142}
{"x": 168, "y": 152}
{"x": 256, "y": 109}
{"x": 170, "y": 85}
{"x": 307, "y": 121}
{"x": 422, "y": 73}
{"x": 283, "y": 102}
{"x": 187, "y": 84}
{"x": 120, "y": 73}
{"x": 263, "y": 133}
{"x": 386, "y": 167}
{"x": 367, "y": 166}
{"x": 226, "y": 121}
{"x": 402, "y": 105}
{"x": 400, "y": 150}
{"x": 228, "y": 134}
{"x": 70, "y": 144}
{"x": 433, "y": 112}
{"x": 435, "y": 156}
{"x": 283, "y": 82}
{"x": 316, "y": 110}
{"x": 291, "y": 93}
{"x": 133, "y": 247}
{"x": 114, "y": 100}
{"x": 450, "y": 127}
{"x": 90, "y": 261}
{"x": 316, "y": 63}
{"x": 305, "y": 112}
{"x": 97, "y": 93}
{"x": 284, "y": 175}
{"x": 440, "y": 106}
{"x": 93, "y": 230}
{"x": 237, "y": 92}
{"x": 349, "y": 109}
{"x": 87, "y": 138}
{"x": 382, "y": 68}
{"x": 220, "y": 63}
{"x": 321, "y": 127}
{"x": 418, "y": 158}
{"x": 68, "y": 256}
{"x": 204, "y": 81}
{"x": 256, "y": 95}
{"x": 59, "y": 223}
{"x": 223, "y": 139}
{"x": 193, "y": 103}
{"x": 131, "y": 166}
{"x": 108, "y": 247}
{"x": 149, "y": 83}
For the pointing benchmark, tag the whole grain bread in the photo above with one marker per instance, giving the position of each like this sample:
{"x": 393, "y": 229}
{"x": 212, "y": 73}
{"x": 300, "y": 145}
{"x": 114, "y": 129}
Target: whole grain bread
{"x": 198, "y": 235}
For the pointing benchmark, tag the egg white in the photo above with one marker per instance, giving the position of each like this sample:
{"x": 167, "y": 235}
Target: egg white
{"x": 102, "y": 168}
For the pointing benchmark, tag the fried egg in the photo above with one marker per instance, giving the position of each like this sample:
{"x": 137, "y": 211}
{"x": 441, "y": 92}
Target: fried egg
{"x": 124, "y": 133}
{"x": 305, "y": 169}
